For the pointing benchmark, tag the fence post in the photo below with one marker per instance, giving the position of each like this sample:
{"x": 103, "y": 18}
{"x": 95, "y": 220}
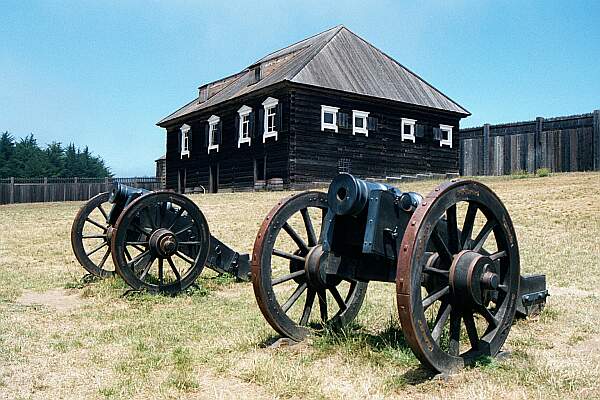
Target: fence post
{"x": 45, "y": 189}
{"x": 12, "y": 190}
{"x": 76, "y": 189}
{"x": 539, "y": 121}
{"x": 106, "y": 183}
{"x": 596, "y": 141}
{"x": 486, "y": 149}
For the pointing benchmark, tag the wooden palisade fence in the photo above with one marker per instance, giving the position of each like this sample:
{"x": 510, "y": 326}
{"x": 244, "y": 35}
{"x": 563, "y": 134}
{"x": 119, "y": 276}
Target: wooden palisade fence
{"x": 561, "y": 144}
{"x": 31, "y": 190}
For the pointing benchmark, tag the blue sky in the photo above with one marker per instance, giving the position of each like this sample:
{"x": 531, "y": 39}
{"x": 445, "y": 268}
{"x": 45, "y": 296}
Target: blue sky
{"x": 102, "y": 73}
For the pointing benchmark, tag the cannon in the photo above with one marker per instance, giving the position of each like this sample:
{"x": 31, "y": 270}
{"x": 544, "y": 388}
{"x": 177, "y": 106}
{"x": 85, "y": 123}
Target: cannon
{"x": 453, "y": 256}
{"x": 158, "y": 241}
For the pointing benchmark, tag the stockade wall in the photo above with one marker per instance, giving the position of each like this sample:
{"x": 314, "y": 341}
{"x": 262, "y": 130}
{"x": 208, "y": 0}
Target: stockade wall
{"x": 33, "y": 190}
{"x": 561, "y": 144}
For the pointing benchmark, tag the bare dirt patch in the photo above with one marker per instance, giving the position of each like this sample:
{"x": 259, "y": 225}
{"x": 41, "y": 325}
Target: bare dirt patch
{"x": 58, "y": 299}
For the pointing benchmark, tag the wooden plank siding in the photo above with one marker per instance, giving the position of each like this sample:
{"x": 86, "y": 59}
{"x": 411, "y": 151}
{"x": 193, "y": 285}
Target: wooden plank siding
{"x": 560, "y": 144}
{"x": 316, "y": 155}
{"x": 235, "y": 165}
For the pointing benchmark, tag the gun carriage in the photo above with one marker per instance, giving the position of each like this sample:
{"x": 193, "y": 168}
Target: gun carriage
{"x": 158, "y": 241}
{"x": 453, "y": 256}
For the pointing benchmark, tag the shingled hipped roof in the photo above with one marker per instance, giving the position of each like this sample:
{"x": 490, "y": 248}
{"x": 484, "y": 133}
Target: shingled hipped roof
{"x": 335, "y": 59}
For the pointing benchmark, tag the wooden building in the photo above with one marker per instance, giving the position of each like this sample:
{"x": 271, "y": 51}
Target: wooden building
{"x": 327, "y": 104}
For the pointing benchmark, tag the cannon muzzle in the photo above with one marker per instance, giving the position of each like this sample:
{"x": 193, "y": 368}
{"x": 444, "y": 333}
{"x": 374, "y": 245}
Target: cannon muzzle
{"x": 349, "y": 195}
{"x": 122, "y": 194}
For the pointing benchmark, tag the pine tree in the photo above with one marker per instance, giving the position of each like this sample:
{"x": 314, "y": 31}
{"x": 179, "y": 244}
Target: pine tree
{"x": 7, "y": 150}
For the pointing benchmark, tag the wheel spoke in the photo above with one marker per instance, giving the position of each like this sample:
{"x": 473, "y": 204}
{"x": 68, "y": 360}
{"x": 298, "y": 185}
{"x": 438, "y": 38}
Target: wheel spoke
{"x": 483, "y": 235}
{"x": 138, "y": 258}
{"x": 431, "y": 270}
{"x": 489, "y": 317}
{"x": 127, "y": 255}
{"x": 295, "y": 237}
{"x": 498, "y": 255}
{"x": 322, "y": 294}
{"x": 140, "y": 230}
{"x": 176, "y": 217}
{"x": 104, "y": 214}
{"x": 161, "y": 276}
{"x": 432, "y": 298}
{"x": 444, "y": 253}
{"x": 184, "y": 257}
{"x": 288, "y": 277}
{"x": 454, "y": 345}
{"x": 452, "y": 228}
{"x": 136, "y": 244}
{"x": 179, "y": 232}
{"x": 467, "y": 229}
{"x": 104, "y": 258}
{"x": 471, "y": 329}
{"x": 338, "y": 298}
{"x": 294, "y": 297}
{"x": 91, "y": 221}
{"x": 173, "y": 268}
{"x": 146, "y": 268}
{"x": 310, "y": 230}
{"x": 310, "y": 299}
{"x": 96, "y": 249}
{"x": 288, "y": 256}
{"x": 150, "y": 219}
{"x": 93, "y": 236}
{"x": 440, "y": 320}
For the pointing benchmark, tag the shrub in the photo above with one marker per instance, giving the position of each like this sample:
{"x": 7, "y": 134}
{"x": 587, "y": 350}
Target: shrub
{"x": 542, "y": 172}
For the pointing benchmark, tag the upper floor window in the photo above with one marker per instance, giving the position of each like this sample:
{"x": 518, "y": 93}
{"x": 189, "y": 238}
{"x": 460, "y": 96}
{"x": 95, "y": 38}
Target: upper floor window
{"x": 359, "y": 122}
{"x": 408, "y": 129}
{"x": 270, "y": 125}
{"x": 185, "y": 140}
{"x": 446, "y": 135}
{"x": 329, "y": 118}
{"x": 213, "y": 133}
{"x": 244, "y": 125}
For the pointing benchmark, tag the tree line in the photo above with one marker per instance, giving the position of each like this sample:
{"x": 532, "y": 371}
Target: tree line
{"x": 24, "y": 158}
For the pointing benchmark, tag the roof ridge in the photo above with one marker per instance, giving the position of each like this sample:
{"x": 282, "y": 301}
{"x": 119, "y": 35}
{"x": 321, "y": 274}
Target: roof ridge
{"x": 266, "y": 56}
{"x": 408, "y": 70}
{"x": 321, "y": 47}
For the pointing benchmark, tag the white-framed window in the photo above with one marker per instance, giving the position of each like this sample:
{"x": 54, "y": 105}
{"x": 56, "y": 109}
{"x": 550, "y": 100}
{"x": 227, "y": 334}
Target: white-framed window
{"x": 244, "y": 132}
{"x": 446, "y": 139}
{"x": 359, "y": 122}
{"x": 213, "y": 127}
{"x": 270, "y": 130}
{"x": 408, "y": 129}
{"x": 185, "y": 140}
{"x": 329, "y": 118}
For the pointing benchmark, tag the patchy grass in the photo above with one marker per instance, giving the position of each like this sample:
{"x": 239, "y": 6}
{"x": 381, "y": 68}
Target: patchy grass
{"x": 211, "y": 342}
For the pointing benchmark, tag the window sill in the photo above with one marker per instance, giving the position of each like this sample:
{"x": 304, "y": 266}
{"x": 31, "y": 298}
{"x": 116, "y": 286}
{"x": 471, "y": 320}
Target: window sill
{"x": 361, "y": 132}
{"x": 445, "y": 143}
{"x": 269, "y": 134}
{"x": 408, "y": 137}
{"x": 213, "y": 147}
{"x": 241, "y": 141}
{"x": 185, "y": 154}
{"x": 332, "y": 127}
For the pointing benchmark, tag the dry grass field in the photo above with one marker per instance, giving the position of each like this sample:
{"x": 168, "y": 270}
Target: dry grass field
{"x": 60, "y": 338}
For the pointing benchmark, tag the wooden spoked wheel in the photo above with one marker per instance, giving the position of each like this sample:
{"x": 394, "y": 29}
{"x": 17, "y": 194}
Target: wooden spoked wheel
{"x": 290, "y": 283}
{"x": 457, "y": 289}
{"x": 160, "y": 243}
{"x": 90, "y": 237}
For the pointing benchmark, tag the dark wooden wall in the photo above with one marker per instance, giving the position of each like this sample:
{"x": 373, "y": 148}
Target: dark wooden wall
{"x": 560, "y": 144}
{"x": 319, "y": 156}
{"x": 235, "y": 165}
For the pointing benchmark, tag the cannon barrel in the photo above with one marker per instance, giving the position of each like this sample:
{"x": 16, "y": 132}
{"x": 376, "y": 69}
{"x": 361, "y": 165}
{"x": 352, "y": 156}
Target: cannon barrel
{"x": 349, "y": 195}
{"x": 120, "y": 196}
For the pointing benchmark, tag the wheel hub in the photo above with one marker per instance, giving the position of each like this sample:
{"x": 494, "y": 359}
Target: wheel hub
{"x": 163, "y": 242}
{"x": 472, "y": 276}
{"x": 316, "y": 273}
